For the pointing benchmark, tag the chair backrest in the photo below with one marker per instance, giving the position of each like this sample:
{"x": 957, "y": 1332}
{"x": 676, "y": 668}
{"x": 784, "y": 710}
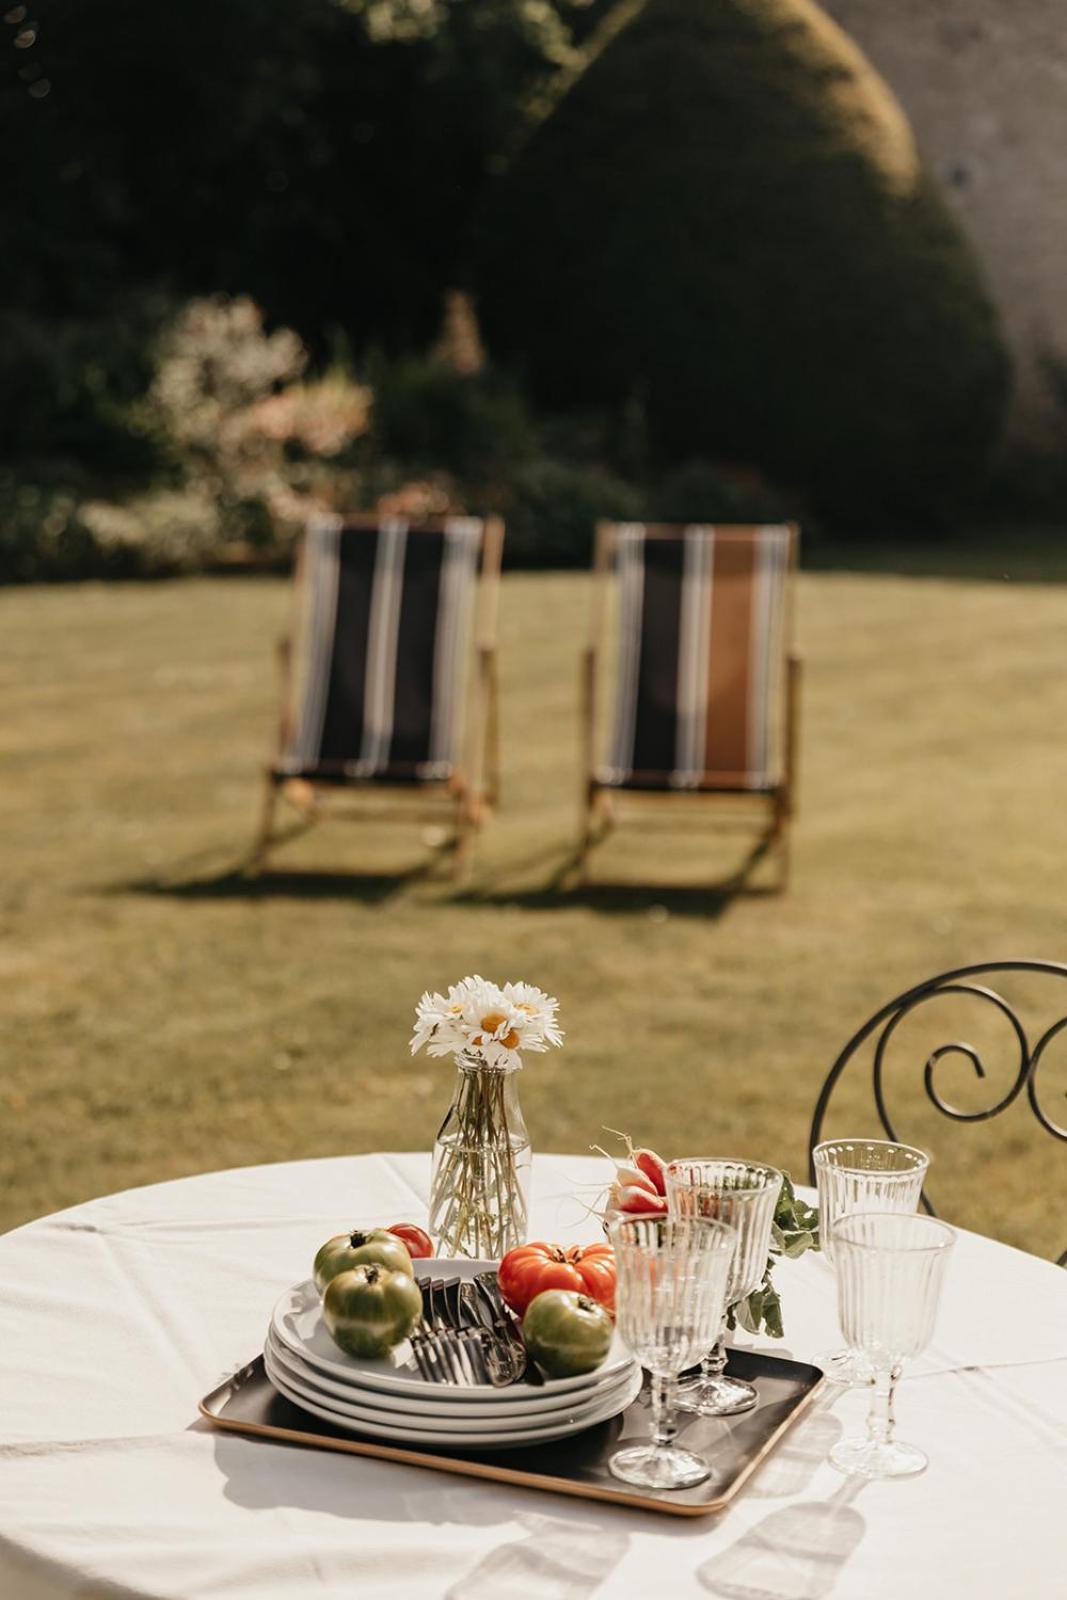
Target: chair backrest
{"x": 1031, "y": 1045}
{"x": 703, "y": 618}
{"x": 387, "y": 611}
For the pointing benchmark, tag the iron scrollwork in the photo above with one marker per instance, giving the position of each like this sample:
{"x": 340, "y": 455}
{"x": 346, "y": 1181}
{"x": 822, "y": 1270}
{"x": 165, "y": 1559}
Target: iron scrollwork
{"x": 885, "y": 1022}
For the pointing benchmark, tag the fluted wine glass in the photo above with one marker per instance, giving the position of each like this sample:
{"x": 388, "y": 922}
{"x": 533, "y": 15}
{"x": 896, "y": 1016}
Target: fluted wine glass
{"x": 744, "y": 1194}
{"x": 889, "y": 1269}
{"x": 862, "y": 1175}
{"x": 669, "y": 1297}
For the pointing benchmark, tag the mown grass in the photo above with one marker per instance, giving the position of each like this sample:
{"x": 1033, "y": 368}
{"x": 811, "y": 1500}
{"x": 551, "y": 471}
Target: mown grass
{"x": 161, "y": 1015}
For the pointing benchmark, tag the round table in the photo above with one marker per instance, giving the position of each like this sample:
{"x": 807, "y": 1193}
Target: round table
{"x": 116, "y": 1316}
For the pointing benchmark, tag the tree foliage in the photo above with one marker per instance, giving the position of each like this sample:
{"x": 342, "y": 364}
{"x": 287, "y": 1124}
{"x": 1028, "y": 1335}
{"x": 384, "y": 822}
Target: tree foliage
{"x": 324, "y": 156}
{"x": 726, "y": 214}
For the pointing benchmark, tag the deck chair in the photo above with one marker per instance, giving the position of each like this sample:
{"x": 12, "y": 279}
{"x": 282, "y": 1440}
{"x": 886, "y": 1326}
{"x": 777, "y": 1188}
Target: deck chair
{"x": 1028, "y": 1038}
{"x": 377, "y": 698}
{"x": 706, "y": 688}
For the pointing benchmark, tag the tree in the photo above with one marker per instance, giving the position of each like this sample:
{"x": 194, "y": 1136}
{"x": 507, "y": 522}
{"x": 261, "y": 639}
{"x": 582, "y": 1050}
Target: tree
{"x": 726, "y": 215}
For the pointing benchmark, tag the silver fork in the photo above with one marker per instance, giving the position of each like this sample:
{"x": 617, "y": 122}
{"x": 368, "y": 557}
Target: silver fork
{"x": 471, "y": 1348}
{"x": 450, "y": 1355}
{"x": 443, "y": 1353}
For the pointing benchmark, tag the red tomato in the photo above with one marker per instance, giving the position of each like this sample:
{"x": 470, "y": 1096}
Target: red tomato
{"x": 419, "y": 1244}
{"x": 531, "y": 1268}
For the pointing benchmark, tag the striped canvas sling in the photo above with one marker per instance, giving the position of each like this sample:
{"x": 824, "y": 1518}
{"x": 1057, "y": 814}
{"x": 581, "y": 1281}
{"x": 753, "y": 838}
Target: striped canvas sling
{"x": 386, "y": 631}
{"x": 701, "y": 628}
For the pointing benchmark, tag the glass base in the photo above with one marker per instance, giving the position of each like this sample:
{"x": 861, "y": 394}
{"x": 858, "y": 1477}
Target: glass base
{"x": 866, "y": 1458}
{"x": 652, "y": 1466}
{"x": 715, "y": 1397}
{"x": 845, "y": 1366}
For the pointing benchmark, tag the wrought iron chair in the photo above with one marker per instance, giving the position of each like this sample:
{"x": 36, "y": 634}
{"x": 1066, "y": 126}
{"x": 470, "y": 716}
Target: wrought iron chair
{"x": 880, "y": 1029}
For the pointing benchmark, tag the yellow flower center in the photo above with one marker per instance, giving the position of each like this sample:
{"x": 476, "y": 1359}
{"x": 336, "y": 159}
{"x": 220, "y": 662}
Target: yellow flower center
{"x": 490, "y": 1024}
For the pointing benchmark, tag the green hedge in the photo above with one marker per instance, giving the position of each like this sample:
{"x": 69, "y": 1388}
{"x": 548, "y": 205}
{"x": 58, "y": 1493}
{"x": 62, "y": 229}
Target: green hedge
{"x": 725, "y": 215}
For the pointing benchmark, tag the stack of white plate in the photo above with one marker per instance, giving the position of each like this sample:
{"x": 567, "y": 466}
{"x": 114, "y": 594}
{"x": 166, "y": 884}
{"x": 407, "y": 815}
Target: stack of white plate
{"x": 390, "y": 1400}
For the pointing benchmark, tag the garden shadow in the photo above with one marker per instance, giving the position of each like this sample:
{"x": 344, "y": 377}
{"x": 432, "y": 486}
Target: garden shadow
{"x": 565, "y": 887}
{"x": 235, "y": 884}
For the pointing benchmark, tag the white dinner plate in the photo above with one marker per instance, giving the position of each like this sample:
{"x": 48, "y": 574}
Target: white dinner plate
{"x": 495, "y": 1438}
{"x": 298, "y": 1325}
{"x": 470, "y": 1421}
{"x": 531, "y": 1404}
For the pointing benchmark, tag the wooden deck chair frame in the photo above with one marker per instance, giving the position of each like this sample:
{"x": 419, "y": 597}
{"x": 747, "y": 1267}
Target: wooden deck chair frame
{"x": 602, "y": 803}
{"x": 466, "y": 798}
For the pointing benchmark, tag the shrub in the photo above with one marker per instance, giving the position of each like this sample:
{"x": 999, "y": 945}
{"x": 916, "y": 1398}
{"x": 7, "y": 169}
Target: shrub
{"x": 726, "y": 210}
{"x": 699, "y": 491}
{"x": 552, "y": 507}
{"x": 162, "y": 532}
{"x": 431, "y": 417}
{"x": 241, "y": 448}
{"x": 68, "y": 385}
{"x": 42, "y": 535}
{"x": 245, "y": 435}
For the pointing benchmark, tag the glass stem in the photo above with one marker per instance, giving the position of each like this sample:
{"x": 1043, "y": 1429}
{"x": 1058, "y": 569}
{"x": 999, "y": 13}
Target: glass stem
{"x": 715, "y": 1360}
{"x": 880, "y": 1419}
{"x": 664, "y": 1426}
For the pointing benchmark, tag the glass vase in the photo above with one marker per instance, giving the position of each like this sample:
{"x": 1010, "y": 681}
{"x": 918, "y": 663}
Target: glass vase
{"x": 481, "y": 1166}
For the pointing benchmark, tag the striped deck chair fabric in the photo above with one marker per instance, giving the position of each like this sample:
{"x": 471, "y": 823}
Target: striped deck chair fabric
{"x": 386, "y": 633}
{"x": 701, "y": 641}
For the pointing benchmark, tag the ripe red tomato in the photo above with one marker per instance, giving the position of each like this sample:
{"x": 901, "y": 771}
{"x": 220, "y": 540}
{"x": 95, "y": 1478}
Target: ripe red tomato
{"x": 419, "y": 1244}
{"x": 529, "y": 1269}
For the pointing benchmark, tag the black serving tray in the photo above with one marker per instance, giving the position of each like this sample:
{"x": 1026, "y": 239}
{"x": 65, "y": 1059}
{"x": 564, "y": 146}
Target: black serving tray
{"x": 248, "y": 1403}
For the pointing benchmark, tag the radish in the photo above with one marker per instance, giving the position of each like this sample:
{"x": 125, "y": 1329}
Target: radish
{"x": 628, "y": 1177}
{"x": 638, "y": 1202}
{"x": 651, "y": 1166}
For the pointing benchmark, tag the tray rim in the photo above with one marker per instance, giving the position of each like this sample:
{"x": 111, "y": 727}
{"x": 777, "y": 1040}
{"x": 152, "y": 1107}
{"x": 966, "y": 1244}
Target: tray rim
{"x": 457, "y": 1466}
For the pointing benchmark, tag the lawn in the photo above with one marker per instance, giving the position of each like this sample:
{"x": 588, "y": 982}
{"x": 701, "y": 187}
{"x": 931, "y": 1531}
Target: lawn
{"x": 161, "y": 1015}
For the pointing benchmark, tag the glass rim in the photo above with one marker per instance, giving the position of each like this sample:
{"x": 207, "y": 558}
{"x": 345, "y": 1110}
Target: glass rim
{"x": 726, "y": 1161}
{"x": 945, "y": 1242}
{"x": 922, "y": 1161}
{"x": 726, "y": 1230}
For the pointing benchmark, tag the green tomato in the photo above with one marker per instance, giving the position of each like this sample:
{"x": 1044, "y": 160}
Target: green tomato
{"x": 357, "y": 1249}
{"x": 566, "y": 1333}
{"x": 370, "y": 1309}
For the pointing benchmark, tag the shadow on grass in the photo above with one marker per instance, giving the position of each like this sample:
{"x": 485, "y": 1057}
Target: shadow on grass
{"x": 236, "y": 884}
{"x": 561, "y": 888}
{"x": 672, "y": 899}
{"x": 565, "y": 889}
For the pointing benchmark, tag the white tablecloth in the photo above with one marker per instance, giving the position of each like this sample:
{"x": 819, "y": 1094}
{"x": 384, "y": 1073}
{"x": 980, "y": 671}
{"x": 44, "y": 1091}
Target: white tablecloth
{"x": 116, "y": 1316}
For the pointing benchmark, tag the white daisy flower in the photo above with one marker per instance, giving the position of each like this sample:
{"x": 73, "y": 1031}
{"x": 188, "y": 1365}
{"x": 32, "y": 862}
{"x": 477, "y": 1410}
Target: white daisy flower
{"x": 539, "y": 1028}
{"x": 483, "y": 1021}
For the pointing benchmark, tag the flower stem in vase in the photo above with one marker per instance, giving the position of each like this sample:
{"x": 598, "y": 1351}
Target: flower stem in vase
{"x": 481, "y": 1166}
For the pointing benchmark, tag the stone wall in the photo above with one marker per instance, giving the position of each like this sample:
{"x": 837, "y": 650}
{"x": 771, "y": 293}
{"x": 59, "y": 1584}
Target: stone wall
{"x": 985, "y": 85}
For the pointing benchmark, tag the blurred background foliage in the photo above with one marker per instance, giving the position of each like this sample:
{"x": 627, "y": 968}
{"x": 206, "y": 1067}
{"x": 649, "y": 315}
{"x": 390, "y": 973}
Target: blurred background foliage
{"x": 556, "y": 258}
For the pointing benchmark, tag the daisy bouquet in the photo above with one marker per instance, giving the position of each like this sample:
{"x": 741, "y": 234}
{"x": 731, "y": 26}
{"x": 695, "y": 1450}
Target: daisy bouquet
{"x": 481, "y": 1166}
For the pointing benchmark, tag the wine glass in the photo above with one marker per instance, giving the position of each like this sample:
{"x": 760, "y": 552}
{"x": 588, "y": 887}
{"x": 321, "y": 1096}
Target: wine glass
{"x": 890, "y": 1267}
{"x": 744, "y": 1194}
{"x": 669, "y": 1296}
{"x": 862, "y": 1175}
